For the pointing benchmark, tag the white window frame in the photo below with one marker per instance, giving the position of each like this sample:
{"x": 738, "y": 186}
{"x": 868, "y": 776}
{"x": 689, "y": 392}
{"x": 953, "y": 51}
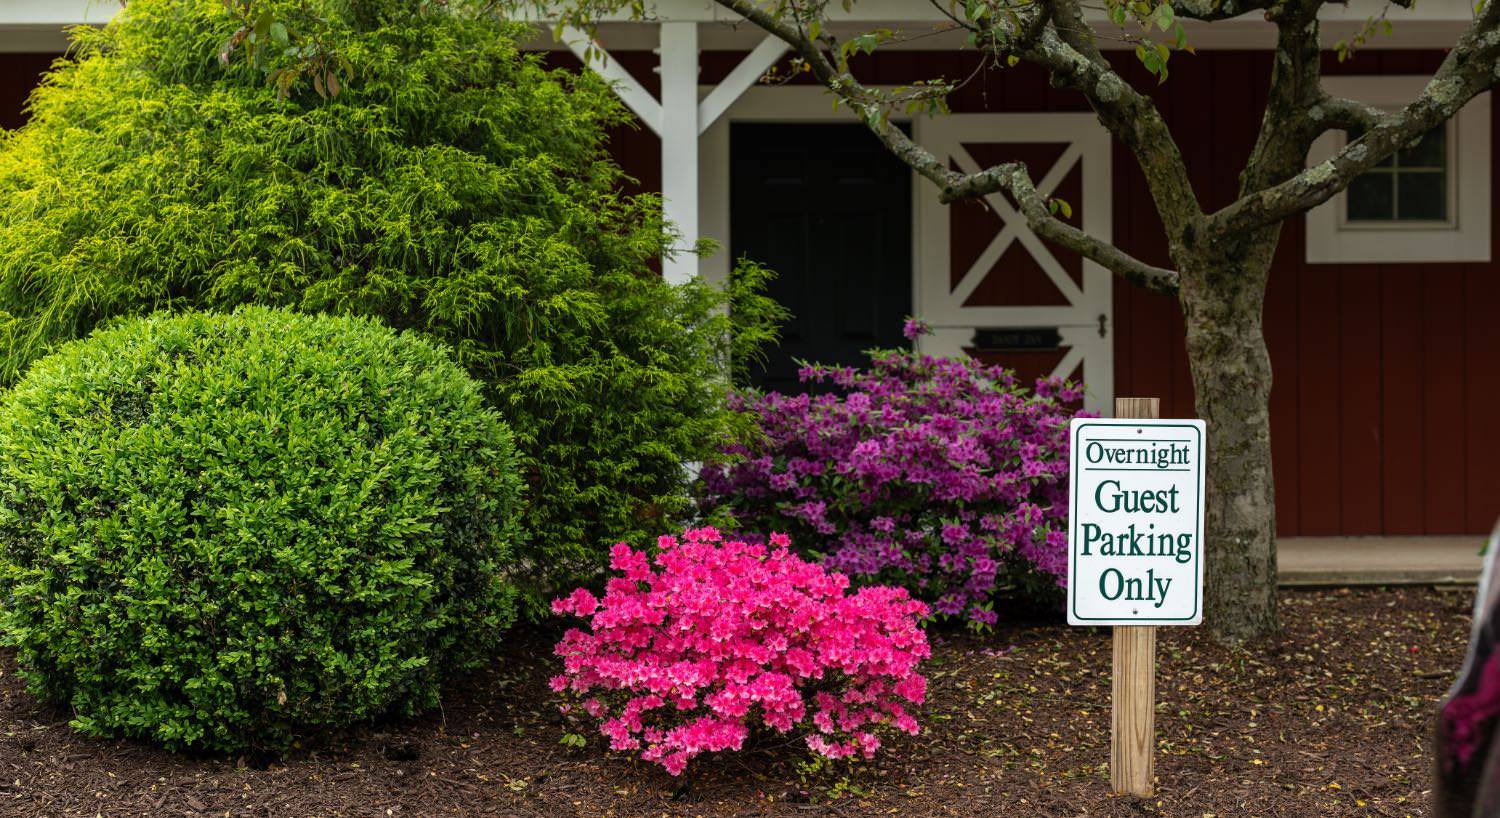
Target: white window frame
{"x": 1450, "y": 191}
{"x": 1463, "y": 236}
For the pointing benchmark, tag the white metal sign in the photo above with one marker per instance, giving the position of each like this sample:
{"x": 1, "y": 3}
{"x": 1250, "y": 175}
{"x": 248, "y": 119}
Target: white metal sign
{"x": 1135, "y": 522}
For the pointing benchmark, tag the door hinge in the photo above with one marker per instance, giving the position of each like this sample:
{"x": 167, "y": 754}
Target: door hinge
{"x": 1103, "y": 325}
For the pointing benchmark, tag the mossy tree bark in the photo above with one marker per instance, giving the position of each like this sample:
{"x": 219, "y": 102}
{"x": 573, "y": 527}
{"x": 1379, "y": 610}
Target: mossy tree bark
{"x": 1222, "y": 294}
{"x": 1221, "y": 299}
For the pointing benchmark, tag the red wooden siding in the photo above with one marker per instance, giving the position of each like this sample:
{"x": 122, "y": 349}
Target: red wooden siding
{"x": 1379, "y": 406}
{"x": 18, "y": 75}
{"x": 1383, "y": 373}
{"x": 1386, "y": 374}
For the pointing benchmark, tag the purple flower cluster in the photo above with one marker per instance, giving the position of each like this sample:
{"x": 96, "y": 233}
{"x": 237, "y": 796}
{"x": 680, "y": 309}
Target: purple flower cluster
{"x": 940, "y": 475}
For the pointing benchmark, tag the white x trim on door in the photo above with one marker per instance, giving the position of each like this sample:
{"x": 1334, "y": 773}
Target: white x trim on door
{"x": 1084, "y": 322}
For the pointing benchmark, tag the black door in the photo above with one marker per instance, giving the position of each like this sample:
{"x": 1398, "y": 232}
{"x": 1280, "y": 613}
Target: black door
{"x": 829, "y": 210}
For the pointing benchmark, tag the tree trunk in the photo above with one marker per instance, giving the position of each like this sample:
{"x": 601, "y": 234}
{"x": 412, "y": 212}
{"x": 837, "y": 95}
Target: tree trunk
{"x": 1222, "y": 297}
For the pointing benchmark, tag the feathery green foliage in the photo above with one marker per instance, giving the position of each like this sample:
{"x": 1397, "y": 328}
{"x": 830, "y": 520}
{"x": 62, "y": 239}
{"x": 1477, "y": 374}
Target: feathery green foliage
{"x": 453, "y": 186}
{"x": 223, "y": 531}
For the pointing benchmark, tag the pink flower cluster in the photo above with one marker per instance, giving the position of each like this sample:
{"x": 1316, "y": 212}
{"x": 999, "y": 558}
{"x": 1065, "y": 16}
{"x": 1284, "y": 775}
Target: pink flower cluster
{"x": 941, "y": 475}
{"x": 722, "y": 637}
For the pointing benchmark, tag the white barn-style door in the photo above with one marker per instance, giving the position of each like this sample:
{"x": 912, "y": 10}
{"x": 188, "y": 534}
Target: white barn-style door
{"x": 979, "y": 267}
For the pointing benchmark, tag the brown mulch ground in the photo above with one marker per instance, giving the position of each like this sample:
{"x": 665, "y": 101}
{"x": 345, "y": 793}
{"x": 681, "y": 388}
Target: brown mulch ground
{"x": 1331, "y": 719}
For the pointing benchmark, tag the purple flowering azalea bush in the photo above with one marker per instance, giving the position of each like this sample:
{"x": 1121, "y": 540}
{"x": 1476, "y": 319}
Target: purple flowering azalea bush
{"x": 944, "y": 476}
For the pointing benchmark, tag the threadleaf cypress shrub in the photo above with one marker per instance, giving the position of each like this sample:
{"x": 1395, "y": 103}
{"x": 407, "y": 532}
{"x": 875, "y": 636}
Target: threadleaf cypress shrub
{"x": 453, "y": 186}
{"x": 221, "y": 532}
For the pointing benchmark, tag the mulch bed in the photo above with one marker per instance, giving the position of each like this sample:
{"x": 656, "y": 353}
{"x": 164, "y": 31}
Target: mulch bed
{"x": 1332, "y": 718}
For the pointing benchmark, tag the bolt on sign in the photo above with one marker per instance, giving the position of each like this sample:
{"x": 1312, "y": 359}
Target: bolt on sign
{"x": 1135, "y": 529}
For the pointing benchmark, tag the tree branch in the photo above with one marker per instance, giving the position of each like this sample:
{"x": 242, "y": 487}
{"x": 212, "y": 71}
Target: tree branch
{"x": 1214, "y": 10}
{"x": 1341, "y": 114}
{"x": 870, "y": 107}
{"x": 1468, "y": 70}
{"x": 1040, "y": 219}
{"x": 1287, "y": 127}
{"x": 1069, "y": 54}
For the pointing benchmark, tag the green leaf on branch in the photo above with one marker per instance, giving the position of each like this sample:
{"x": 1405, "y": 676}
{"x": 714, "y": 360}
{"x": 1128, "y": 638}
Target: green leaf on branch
{"x": 1373, "y": 27}
{"x": 263, "y": 23}
{"x": 1154, "y": 56}
{"x": 867, "y": 42}
{"x": 1164, "y": 17}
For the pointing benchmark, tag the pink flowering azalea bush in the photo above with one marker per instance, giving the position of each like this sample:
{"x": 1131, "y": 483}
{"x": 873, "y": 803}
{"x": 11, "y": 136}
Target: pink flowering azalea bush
{"x": 721, "y": 638}
{"x": 941, "y": 475}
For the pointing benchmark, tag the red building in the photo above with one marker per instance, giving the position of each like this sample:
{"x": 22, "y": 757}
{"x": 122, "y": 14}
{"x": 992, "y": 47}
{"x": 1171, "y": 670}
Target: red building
{"x": 1383, "y": 316}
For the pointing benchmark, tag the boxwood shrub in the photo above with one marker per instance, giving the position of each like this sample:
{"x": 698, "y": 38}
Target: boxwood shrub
{"x": 225, "y": 531}
{"x": 454, "y": 186}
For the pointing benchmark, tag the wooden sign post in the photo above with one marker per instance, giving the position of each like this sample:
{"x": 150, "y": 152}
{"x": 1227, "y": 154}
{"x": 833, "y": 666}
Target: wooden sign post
{"x": 1135, "y": 557}
{"x": 1132, "y": 716}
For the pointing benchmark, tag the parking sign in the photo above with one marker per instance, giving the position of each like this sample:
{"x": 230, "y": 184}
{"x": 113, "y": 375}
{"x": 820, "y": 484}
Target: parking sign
{"x": 1135, "y": 528}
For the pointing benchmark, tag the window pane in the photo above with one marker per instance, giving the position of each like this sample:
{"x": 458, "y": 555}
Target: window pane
{"x": 1370, "y": 197}
{"x": 1422, "y": 196}
{"x": 1428, "y": 152}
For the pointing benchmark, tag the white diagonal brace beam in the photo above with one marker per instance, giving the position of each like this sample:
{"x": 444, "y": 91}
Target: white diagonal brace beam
{"x": 1069, "y": 362}
{"x": 631, "y": 92}
{"x": 1016, "y": 228}
{"x": 741, "y": 79}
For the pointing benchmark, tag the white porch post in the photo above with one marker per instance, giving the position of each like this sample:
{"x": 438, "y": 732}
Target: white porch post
{"x": 679, "y": 118}
{"x": 679, "y": 143}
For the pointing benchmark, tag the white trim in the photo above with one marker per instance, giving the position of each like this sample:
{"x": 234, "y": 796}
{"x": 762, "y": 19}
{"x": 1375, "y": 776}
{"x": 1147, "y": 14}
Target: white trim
{"x": 1016, "y": 230}
{"x": 741, "y": 79}
{"x": 57, "y": 13}
{"x": 1089, "y": 143}
{"x": 627, "y": 87}
{"x": 1450, "y": 189}
{"x": 680, "y": 119}
{"x": 36, "y": 25}
{"x": 1466, "y": 236}
{"x": 1087, "y": 319}
{"x": 785, "y": 103}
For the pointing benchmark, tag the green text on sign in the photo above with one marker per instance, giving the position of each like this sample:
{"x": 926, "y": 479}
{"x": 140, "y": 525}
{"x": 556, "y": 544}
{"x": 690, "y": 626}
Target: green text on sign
{"x": 1135, "y": 528}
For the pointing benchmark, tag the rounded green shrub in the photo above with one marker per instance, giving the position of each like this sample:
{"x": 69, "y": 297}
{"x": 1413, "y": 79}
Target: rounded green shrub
{"x": 453, "y": 185}
{"x": 223, "y": 531}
